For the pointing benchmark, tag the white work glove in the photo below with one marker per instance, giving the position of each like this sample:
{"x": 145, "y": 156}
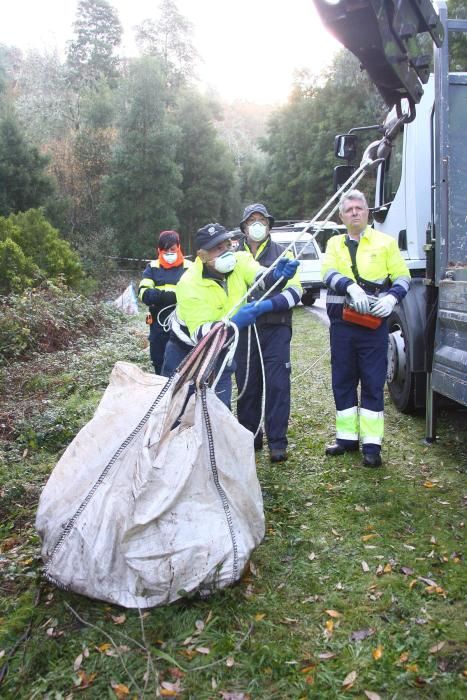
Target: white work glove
{"x": 359, "y": 299}
{"x": 384, "y": 306}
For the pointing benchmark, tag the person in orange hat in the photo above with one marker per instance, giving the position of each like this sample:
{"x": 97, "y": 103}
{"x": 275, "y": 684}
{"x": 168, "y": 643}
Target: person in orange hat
{"x": 157, "y": 291}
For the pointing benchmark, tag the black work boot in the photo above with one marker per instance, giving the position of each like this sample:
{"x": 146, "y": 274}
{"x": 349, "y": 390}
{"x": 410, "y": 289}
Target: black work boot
{"x": 277, "y": 455}
{"x": 337, "y": 449}
{"x": 372, "y": 460}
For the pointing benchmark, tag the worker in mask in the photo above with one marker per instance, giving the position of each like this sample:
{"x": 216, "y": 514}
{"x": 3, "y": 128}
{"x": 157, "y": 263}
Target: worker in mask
{"x": 366, "y": 276}
{"x": 157, "y": 291}
{"x": 213, "y": 287}
{"x": 269, "y": 346}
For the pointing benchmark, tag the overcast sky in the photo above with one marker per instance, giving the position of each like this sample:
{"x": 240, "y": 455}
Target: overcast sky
{"x": 249, "y": 48}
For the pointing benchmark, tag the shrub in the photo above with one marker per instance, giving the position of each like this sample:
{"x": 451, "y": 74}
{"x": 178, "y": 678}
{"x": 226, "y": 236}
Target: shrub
{"x": 42, "y": 243}
{"x": 16, "y": 270}
{"x": 46, "y": 319}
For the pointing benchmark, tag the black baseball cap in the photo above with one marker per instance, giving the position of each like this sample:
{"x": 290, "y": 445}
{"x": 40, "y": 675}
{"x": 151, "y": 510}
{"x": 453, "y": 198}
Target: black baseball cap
{"x": 210, "y": 235}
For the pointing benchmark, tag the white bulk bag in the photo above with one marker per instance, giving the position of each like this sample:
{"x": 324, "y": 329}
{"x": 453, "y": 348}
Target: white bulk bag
{"x": 139, "y": 511}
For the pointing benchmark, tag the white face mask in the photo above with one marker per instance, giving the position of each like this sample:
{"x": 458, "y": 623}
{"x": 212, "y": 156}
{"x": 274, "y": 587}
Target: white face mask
{"x": 257, "y": 231}
{"x": 169, "y": 257}
{"x": 225, "y": 263}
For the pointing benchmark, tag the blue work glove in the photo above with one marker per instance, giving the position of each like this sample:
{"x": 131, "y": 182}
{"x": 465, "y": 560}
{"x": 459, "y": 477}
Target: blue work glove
{"x": 285, "y": 268}
{"x": 245, "y": 316}
{"x": 262, "y": 307}
{"x": 250, "y": 312}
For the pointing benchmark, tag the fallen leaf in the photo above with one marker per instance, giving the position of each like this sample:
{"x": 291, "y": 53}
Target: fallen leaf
{"x": 78, "y": 661}
{"x": 437, "y": 647}
{"x": 176, "y": 672}
{"x": 230, "y": 661}
{"x": 120, "y": 690}
{"x": 333, "y": 613}
{"x": 329, "y": 625}
{"x": 377, "y": 653}
{"x": 103, "y": 647}
{"x": 407, "y": 571}
{"x": 404, "y": 657}
{"x": 412, "y": 583}
{"x": 249, "y": 591}
{"x": 311, "y": 556}
{"x": 365, "y": 538}
{"x": 360, "y": 509}
{"x": 119, "y": 619}
{"x": 84, "y": 680}
{"x": 429, "y": 484}
{"x": 233, "y": 696}
{"x": 387, "y": 568}
{"x": 170, "y": 689}
{"x": 325, "y": 655}
{"x": 365, "y": 567}
{"x": 359, "y": 635}
{"x": 203, "y": 650}
{"x": 307, "y": 669}
{"x": 349, "y": 680}
{"x": 260, "y": 616}
{"x": 412, "y": 668}
{"x": 372, "y": 696}
{"x": 334, "y": 532}
{"x": 253, "y": 569}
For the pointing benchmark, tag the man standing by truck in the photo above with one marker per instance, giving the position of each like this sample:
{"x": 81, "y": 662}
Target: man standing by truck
{"x": 363, "y": 269}
{"x": 272, "y": 343}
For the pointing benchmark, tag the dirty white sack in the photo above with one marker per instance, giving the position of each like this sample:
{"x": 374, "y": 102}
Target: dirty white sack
{"x": 127, "y": 302}
{"x": 176, "y": 509}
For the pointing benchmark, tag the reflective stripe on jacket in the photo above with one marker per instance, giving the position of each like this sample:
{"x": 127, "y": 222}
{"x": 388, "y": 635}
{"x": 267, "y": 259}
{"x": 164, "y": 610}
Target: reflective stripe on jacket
{"x": 267, "y": 253}
{"x": 378, "y": 258}
{"x": 203, "y": 300}
{"x": 157, "y": 288}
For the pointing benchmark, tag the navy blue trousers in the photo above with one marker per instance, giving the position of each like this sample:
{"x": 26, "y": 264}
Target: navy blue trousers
{"x": 275, "y": 348}
{"x": 359, "y": 356}
{"x": 158, "y": 339}
{"x": 176, "y": 351}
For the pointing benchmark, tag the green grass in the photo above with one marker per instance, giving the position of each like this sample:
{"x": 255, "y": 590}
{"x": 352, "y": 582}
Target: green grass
{"x": 267, "y": 635}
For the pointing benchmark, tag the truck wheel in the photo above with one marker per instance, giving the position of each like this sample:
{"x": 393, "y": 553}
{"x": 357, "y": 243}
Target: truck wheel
{"x": 401, "y": 379}
{"x": 308, "y": 300}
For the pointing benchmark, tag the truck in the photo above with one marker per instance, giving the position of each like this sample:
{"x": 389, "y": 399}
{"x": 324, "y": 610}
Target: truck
{"x": 420, "y": 187}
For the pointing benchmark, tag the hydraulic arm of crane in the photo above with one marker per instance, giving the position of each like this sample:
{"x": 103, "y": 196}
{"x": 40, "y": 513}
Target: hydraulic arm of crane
{"x": 383, "y": 34}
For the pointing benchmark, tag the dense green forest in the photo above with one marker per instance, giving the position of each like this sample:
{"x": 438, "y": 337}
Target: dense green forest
{"x": 111, "y": 150}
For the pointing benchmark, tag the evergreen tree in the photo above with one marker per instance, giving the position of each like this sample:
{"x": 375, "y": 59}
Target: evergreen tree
{"x": 170, "y": 39}
{"x": 300, "y": 141}
{"x": 458, "y": 41}
{"x": 23, "y": 181}
{"x": 142, "y": 190}
{"x": 207, "y": 167}
{"x": 98, "y": 32}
